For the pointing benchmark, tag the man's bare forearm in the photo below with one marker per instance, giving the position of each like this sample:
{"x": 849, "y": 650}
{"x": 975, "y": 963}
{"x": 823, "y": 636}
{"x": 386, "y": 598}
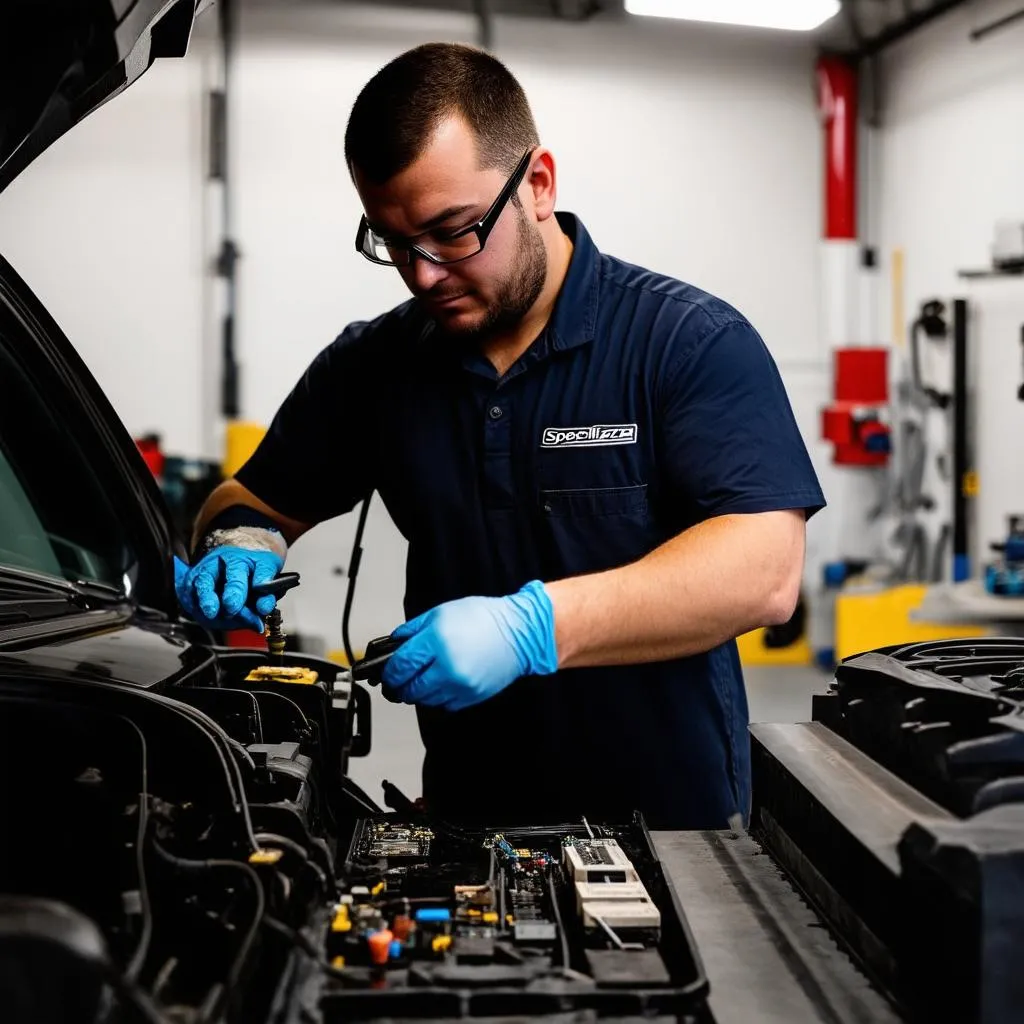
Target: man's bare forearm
{"x": 231, "y": 492}
{"x": 713, "y": 582}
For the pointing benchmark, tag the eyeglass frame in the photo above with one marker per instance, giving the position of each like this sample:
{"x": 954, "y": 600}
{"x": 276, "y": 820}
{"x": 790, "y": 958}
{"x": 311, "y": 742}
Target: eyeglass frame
{"x": 482, "y": 228}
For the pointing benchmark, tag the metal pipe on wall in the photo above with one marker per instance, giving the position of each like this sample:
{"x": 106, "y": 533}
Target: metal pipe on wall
{"x": 852, "y": 422}
{"x": 961, "y": 468}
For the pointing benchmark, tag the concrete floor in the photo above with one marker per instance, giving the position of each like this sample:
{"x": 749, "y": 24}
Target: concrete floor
{"x": 775, "y": 694}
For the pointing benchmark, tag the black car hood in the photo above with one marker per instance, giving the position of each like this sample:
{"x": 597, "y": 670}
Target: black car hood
{"x": 149, "y": 656}
{"x": 61, "y": 59}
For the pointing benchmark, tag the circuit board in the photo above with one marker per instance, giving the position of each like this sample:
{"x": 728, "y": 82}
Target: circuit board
{"x": 394, "y": 842}
{"x": 540, "y": 919}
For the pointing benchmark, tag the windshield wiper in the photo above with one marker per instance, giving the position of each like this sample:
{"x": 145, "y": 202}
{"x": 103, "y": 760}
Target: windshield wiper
{"x": 105, "y": 591}
{"x": 20, "y": 585}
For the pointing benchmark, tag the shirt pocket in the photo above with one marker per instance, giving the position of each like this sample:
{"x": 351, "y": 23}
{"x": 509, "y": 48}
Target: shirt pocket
{"x": 594, "y": 501}
{"x": 595, "y": 528}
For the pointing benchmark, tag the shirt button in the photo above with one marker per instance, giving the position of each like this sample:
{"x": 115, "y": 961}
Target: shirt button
{"x": 496, "y": 412}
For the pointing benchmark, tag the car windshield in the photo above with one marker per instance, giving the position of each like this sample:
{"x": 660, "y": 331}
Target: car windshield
{"x": 55, "y": 518}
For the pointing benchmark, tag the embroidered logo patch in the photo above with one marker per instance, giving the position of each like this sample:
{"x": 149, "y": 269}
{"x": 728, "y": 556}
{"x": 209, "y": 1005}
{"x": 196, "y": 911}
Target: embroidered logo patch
{"x": 587, "y": 437}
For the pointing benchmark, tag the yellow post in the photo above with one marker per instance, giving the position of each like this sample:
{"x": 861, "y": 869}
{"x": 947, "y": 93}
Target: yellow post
{"x": 240, "y": 441}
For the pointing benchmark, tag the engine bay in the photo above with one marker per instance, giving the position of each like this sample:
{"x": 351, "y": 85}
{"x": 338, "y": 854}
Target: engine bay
{"x": 194, "y": 852}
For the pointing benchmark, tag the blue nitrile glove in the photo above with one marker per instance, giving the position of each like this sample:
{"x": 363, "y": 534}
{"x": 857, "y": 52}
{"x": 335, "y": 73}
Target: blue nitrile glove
{"x": 231, "y": 571}
{"x": 462, "y": 652}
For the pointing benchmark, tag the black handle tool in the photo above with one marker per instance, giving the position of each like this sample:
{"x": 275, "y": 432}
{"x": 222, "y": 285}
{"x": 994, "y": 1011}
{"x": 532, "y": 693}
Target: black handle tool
{"x": 277, "y": 587}
{"x": 378, "y": 652}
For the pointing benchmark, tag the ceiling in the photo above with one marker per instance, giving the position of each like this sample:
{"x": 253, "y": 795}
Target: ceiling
{"x": 866, "y": 27}
{"x": 863, "y": 26}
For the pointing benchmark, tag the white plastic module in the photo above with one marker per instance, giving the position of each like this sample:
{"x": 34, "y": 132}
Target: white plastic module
{"x": 618, "y": 914}
{"x": 608, "y": 886}
{"x": 603, "y": 892}
{"x": 599, "y": 861}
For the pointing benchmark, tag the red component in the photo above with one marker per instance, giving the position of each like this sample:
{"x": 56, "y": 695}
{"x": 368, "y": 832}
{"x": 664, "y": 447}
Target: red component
{"x": 151, "y": 453}
{"x": 861, "y": 375}
{"x": 852, "y": 422}
{"x": 837, "y": 100}
{"x": 402, "y": 927}
{"x": 379, "y": 943}
{"x": 245, "y": 638}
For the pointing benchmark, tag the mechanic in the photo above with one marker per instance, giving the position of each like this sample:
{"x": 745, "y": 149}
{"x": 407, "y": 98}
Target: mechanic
{"x": 596, "y": 468}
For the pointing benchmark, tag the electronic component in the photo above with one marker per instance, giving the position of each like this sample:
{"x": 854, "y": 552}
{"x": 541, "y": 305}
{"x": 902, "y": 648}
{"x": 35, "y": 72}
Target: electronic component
{"x": 621, "y": 914}
{"x": 608, "y": 886}
{"x": 427, "y": 915}
{"x": 380, "y": 946}
{"x": 503, "y": 847}
{"x": 397, "y": 841}
{"x": 477, "y": 895}
{"x": 464, "y": 910}
{"x": 598, "y": 860}
{"x": 534, "y": 931}
{"x": 608, "y": 892}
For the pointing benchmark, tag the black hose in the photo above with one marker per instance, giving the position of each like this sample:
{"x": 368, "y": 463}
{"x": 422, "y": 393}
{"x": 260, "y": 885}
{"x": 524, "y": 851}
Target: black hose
{"x": 353, "y": 572}
{"x": 304, "y": 944}
{"x": 273, "y": 839}
{"x": 132, "y": 996}
{"x": 284, "y": 842}
{"x": 247, "y": 943}
{"x": 556, "y": 910}
{"x": 138, "y": 959}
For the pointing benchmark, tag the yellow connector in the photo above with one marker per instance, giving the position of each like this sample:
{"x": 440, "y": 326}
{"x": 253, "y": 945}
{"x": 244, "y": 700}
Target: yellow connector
{"x": 509, "y": 919}
{"x": 378, "y": 888}
{"x": 441, "y": 943}
{"x": 265, "y": 856}
{"x": 473, "y": 913}
{"x": 338, "y": 962}
{"x": 524, "y": 853}
{"x": 341, "y": 922}
{"x": 283, "y": 674}
{"x": 490, "y": 917}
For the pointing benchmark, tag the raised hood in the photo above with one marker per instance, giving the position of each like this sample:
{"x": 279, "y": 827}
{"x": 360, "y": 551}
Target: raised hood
{"x": 61, "y": 59}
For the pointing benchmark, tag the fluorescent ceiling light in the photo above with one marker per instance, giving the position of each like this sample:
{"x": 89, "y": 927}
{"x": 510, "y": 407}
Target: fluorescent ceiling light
{"x": 796, "y": 15}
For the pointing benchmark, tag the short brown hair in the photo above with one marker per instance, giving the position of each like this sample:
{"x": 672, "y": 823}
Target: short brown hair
{"x": 401, "y": 107}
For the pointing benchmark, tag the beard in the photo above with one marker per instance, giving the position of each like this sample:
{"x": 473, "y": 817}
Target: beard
{"x": 517, "y": 294}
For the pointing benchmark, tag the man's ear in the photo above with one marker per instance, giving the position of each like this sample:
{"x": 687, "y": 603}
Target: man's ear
{"x": 540, "y": 178}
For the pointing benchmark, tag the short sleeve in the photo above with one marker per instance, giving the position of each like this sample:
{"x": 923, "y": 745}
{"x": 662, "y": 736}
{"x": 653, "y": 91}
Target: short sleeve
{"x": 729, "y": 438}
{"x": 312, "y": 464}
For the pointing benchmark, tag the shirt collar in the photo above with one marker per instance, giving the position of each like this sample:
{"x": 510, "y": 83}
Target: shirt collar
{"x": 575, "y": 315}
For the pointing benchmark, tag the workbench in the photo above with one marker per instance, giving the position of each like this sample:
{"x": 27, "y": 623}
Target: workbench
{"x": 768, "y": 957}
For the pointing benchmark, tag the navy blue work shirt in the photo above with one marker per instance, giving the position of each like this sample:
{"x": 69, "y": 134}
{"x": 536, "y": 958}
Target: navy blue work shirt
{"x": 644, "y": 407}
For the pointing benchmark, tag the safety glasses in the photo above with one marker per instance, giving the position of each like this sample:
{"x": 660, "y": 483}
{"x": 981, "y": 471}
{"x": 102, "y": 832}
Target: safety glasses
{"x": 439, "y": 246}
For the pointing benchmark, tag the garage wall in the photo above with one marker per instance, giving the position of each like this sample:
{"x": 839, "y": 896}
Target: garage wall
{"x": 951, "y": 163}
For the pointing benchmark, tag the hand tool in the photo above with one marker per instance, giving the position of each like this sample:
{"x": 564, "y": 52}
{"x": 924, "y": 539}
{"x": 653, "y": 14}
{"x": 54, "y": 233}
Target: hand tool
{"x": 378, "y": 652}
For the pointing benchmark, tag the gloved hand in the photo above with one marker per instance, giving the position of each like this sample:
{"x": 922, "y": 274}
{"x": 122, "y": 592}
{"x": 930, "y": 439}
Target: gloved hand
{"x": 215, "y": 591}
{"x": 462, "y": 652}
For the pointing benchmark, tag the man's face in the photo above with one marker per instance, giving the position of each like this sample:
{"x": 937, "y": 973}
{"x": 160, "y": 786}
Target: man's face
{"x": 442, "y": 191}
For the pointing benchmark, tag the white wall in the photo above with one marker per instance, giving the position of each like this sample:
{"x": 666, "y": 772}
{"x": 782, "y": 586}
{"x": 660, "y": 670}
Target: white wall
{"x": 951, "y": 163}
